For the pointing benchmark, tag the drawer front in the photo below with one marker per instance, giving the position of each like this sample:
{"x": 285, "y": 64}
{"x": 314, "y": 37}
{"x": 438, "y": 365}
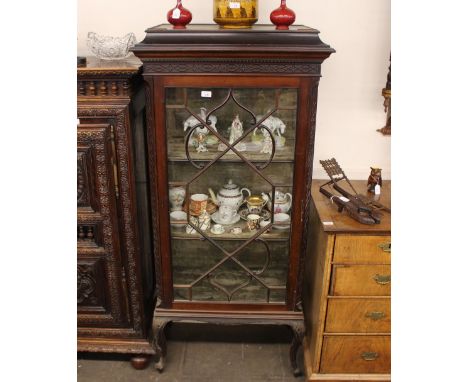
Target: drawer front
{"x": 360, "y": 280}
{"x": 356, "y": 354}
{"x": 358, "y": 315}
{"x": 362, "y": 249}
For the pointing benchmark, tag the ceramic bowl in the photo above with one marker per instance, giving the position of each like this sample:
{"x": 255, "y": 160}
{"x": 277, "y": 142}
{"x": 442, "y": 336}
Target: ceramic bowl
{"x": 178, "y": 219}
{"x": 282, "y": 221}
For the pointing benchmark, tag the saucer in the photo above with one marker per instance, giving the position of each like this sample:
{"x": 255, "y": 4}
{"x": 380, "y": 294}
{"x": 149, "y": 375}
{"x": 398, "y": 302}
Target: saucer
{"x": 217, "y": 233}
{"x": 282, "y": 226}
{"x": 216, "y": 219}
{"x": 266, "y": 215}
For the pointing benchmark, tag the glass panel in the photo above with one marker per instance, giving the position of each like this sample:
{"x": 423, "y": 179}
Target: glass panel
{"x": 230, "y": 165}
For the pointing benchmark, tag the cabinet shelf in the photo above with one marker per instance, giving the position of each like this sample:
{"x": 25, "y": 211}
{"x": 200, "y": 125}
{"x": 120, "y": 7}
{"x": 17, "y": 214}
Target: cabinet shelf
{"x": 176, "y": 153}
{"x": 273, "y": 235}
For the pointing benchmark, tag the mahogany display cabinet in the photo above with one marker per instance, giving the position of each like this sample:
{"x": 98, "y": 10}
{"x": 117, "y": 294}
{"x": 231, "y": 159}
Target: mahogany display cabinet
{"x": 231, "y": 126}
{"x": 115, "y": 270}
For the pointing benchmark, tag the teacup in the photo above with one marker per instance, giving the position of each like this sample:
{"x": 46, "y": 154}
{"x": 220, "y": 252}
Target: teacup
{"x": 264, "y": 223}
{"x": 226, "y": 214}
{"x": 236, "y": 230}
{"x": 255, "y": 204}
{"x": 253, "y": 221}
{"x": 198, "y": 204}
{"x": 217, "y": 228}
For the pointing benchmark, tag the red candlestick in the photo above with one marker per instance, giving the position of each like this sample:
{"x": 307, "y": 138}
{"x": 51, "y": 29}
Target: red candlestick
{"x": 283, "y": 16}
{"x": 179, "y": 16}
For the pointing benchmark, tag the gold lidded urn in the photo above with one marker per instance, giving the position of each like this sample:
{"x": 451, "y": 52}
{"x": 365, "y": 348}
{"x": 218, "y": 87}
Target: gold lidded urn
{"x": 235, "y": 14}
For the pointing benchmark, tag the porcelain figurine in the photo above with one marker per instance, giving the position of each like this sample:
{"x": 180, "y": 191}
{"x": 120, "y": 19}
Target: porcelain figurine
{"x": 237, "y": 130}
{"x": 283, "y": 201}
{"x": 229, "y": 195}
{"x": 267, "y": 147}
{"x": 198, "y": 138}
{"x": 277, "y": 128}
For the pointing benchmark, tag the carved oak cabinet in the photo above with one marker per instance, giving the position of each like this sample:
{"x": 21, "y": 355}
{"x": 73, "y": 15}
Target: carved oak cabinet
{"x": 115, "y": 266}
{"x": 234, "y": 112}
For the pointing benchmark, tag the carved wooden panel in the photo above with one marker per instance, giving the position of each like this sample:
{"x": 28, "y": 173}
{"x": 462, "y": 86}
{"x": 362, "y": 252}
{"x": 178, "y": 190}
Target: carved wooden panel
{"x": 102, "y": 298}
{"x": 117, "y": 115}
{"x": 90, "y": 283}
{"x": 86, "y": 192}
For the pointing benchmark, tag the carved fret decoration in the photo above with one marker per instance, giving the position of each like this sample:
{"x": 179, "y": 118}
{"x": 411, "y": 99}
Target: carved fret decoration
{"x": 306, "y": 203}
{"x": 86, "y": 285}
{"x": 231, "y": 66}
{"x": 118, "y": 116}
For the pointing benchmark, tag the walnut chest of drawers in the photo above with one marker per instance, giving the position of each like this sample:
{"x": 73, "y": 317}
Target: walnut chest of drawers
{"x": 347, "y": 289}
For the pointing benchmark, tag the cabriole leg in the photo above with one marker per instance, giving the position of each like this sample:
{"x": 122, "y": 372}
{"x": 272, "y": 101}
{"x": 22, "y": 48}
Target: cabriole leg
{"x": 159, "y": 342}
{"x": 298, "y": 336}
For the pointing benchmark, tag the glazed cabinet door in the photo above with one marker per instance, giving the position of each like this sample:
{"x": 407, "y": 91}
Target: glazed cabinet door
{"x": 227, "y": 151}
{"x": 101, "y": 292}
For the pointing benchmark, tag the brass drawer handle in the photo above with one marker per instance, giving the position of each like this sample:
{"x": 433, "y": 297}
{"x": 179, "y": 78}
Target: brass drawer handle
{"x": 382, "y": 279}
{"x": 369, "y": 356}
{"x": 386, "y": 247}
{"x": 375, "y": 316}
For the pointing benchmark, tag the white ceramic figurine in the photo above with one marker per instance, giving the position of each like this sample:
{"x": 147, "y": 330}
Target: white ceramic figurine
{"x": 198, "y": 136}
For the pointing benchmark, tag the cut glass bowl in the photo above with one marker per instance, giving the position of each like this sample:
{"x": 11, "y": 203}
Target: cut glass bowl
{"x": 110, "y": 48}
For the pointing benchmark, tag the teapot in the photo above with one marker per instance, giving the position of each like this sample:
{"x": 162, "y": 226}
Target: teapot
{"x": 229, "y": 195}
{"x": 283, "y": 201}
